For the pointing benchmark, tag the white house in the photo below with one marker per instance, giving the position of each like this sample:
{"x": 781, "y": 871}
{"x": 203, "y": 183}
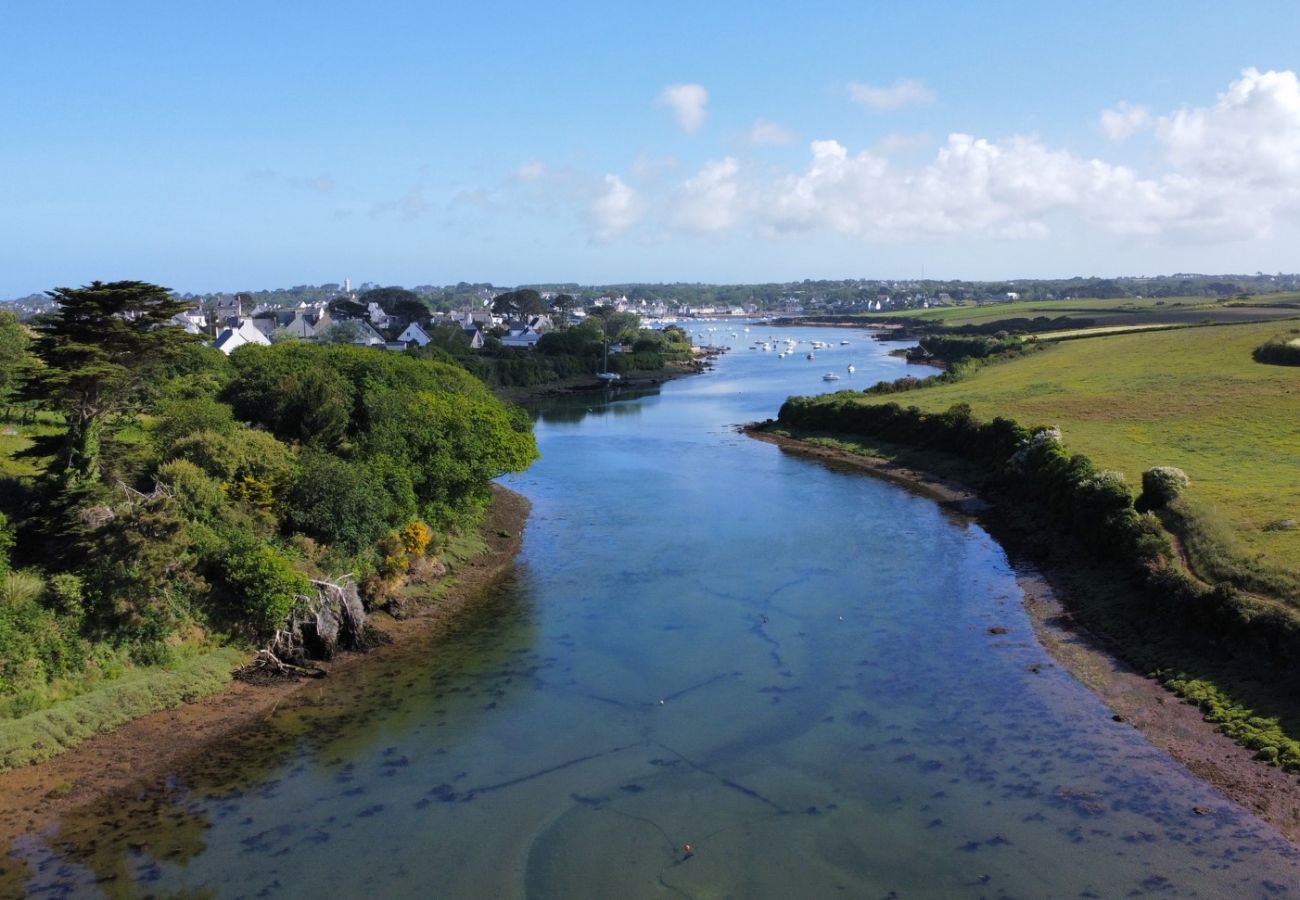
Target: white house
{"x": 526, "y": 338}
{"x": 246, "y": 333}
{"x": 414, "y": 332}
{"x": 368, "y": 337}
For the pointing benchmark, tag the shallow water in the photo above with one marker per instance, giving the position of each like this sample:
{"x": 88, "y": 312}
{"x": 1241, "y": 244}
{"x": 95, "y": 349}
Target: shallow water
{"x": 705, "y": 641}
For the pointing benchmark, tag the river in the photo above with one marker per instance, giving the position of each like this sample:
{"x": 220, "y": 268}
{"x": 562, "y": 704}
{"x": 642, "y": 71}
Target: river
{"x": 705, "y": 641}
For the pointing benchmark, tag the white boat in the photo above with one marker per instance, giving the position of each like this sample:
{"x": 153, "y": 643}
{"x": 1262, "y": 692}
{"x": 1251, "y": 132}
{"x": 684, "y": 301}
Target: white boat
{"x": 607, "y": 377}
{"x": 830, "y": 376}
{"x": 811, "y": 356}
{"x": 844, "y": 343}
{"x": 852, "y": 368}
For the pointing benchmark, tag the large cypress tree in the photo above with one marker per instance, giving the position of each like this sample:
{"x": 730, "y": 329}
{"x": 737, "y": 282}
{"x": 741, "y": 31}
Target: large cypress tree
{"x": 104, "y": 348}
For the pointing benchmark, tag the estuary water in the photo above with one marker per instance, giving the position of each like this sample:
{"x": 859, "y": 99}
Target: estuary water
{"x": 705, "y": 641}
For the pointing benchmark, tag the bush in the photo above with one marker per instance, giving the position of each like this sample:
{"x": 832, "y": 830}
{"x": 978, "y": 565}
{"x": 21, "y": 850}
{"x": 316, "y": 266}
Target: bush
{"x": 36, "y": 645}
{"x": 1279, "y": 351}
{"x": 338, "y": 502}
{"x": 264, "y": 585}
{"x": 1160, "y": 485}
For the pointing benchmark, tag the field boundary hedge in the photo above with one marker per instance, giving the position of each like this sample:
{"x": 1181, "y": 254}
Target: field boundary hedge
{"x": 1032, "y": 467}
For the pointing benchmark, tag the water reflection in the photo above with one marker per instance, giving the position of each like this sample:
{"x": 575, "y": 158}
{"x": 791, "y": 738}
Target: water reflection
{"x": 572, "y": 409}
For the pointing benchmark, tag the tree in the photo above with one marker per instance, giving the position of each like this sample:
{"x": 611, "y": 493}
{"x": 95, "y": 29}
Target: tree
{"x": 562, "y": 308}
{"x": 14, "y": 357}
{"x": 396, "y": 301}
{"x": 515, "y": 304}
{"x": 104, "y": 350}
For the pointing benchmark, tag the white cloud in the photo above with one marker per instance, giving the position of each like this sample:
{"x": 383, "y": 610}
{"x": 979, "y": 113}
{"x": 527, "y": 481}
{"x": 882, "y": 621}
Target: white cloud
{"x": 1124, "y": 120}
{"x": 902, "y": 93}
{"x": 1251, "y": 134}
{"x": 1231, "y": 172}
{"x": 708, "y": 200}
{"x": 768, "y": 134}
{"x": 530, "y": 171}
{"x": 616, "y": 209}
{"x": 898, "y": 142}
{"x": 687, "y": 103}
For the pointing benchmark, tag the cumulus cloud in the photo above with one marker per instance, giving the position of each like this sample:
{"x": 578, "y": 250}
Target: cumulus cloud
{"x": 1230, "y": 171}
{"x": 708, "y": 201}
{"x": 1251, "y": 134}
{"x": 616, "y": 209}
{"x": 530, "y": 171}
{"x": 688, "y": 103}
{"x": 902, "y": 93}
{"x": 1123, "y": 120}
{"x": 768, "y": 134}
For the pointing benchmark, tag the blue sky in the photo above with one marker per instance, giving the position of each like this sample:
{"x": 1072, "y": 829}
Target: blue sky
{"x": 249, "y": 145}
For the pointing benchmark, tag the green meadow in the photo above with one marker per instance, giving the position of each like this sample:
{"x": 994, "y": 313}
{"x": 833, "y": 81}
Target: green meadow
{"x": 1191, "y": 398}
{"x": 1104, "y": 313}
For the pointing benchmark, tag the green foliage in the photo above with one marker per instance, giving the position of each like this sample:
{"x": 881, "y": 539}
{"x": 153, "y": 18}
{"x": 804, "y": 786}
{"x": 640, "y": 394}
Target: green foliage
{"x": 1097, "y": 509}
{"x": 452, "y": 444}
{"x": 953, "y": 348}
{"x": 1190, "y": 398}
{"x": 262, "y": 585}
{"x": 396, "y": 301}
{"x": 248, "y": 463}
{"x": 517, "y": 304}
{"x": 139, "y": 571}
{"x": 14, "y": 356}
{"x": 104, "y": 353}
{"x": 198, "y": 496}
{"x": 177, "y": 418}
{"x": 6, "y": 542}
{"x": 338, "y": 502}
{"x": 1161, "y": 484}
{"x": 104, "y": 705}
{"x": 36, "y": 645}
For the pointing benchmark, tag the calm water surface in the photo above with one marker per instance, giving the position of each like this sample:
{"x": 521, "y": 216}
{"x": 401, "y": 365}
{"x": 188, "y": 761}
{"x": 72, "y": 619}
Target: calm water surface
{"x": 705, "y": 641}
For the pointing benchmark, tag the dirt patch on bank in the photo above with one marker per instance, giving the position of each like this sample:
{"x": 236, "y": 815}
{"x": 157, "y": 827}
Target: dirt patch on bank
{"x": 1162, "y": 717}
{"x": 36, "y": 796}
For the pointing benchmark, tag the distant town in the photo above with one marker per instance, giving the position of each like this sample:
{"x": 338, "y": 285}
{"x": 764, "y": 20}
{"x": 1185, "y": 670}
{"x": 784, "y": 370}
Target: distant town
{"x": 398, "y": 318}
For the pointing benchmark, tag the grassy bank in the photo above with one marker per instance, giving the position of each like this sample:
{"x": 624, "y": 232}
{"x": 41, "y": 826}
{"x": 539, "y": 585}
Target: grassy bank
{"x": 1244, "y": 696}
{"x": 47, "y": 732}
{"x": 1192, "y": 398}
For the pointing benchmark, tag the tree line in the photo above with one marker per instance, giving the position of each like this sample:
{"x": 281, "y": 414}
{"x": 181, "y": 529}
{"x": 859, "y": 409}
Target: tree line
{"x": 179, "y": 492}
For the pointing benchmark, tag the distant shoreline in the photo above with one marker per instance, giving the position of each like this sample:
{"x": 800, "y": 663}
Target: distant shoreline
{"x": 588, "y": 384}
{"x": 1164, "y": 720}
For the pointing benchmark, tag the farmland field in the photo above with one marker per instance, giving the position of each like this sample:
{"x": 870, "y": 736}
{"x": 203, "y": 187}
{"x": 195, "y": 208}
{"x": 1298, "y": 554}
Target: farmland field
{"x": 1105, "y": 313}
{"x": 1190, "y": 397}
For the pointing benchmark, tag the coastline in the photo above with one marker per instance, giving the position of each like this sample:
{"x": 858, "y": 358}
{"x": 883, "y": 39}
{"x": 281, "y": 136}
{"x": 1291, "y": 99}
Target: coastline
{"x": 588, "y": 384}
{"x": 36, "y": 796}
{"x": 1164, "y": 719}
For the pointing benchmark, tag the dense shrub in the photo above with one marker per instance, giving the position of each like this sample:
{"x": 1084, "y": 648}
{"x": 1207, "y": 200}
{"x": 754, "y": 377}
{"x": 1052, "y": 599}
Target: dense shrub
{"x": 1279, "y": 351}
{"x": 338, "y": 502}
{"x": 262, "y": 585}
{"x": 36, "y": 644}
{"x": 1162, "y": 484}
{"x": 1096, "y": 508}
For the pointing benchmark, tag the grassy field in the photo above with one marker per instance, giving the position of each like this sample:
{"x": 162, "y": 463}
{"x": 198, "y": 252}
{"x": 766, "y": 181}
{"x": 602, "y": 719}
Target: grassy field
{"x": 1191, "y": 398}
{"x": 1109, "y": 313}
